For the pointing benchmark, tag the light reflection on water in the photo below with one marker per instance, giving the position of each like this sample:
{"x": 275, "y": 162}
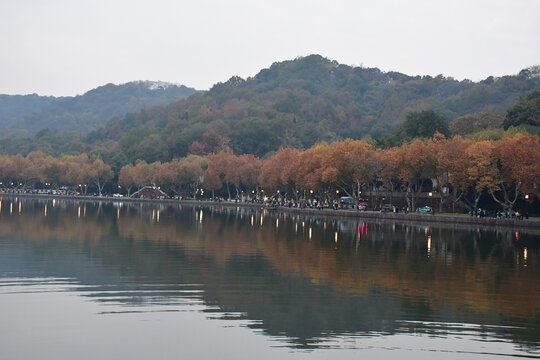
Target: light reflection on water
{"x": 317, "y": 287}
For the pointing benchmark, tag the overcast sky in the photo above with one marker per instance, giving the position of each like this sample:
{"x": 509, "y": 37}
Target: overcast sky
{"x": 67, "y": 47}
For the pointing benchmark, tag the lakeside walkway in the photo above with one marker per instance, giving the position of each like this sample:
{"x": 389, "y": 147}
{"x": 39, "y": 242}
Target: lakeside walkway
{"x": 375, "y": 215}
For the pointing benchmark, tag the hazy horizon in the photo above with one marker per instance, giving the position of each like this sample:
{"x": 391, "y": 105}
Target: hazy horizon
{"x": 65, "y": 48}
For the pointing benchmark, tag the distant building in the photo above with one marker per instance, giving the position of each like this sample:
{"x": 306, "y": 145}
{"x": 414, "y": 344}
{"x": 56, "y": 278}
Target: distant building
{"x": 149, "y": 192}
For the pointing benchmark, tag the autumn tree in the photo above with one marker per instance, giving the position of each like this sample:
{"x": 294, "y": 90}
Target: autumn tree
{"x": 350, "y": 164}
{"x": 210, "y": 142}
{"x": 280, "y": 172}
{"x": 51, "y": 170}
{"x": 185, "y": 173}
{"x": 222, "y": 165}
{"x": 99, "y": 173}
{"x": 451, "y": 173}
{"x": 482, "y": 172}
{"x": 212, "y": 181}
{"x": 518, "y": 160}
{"x": 418, "y": 164}
{"x": 141, "y": 174}
{"x": 126, "y": 178}
{"x": 389, "y": 162}
{"x": 311, "y": 172}
{"x": 472, "y": 123}
{"x": 9, "y": 170}
{"x": 77, "y": 171}
{"x": 249, "y": 169}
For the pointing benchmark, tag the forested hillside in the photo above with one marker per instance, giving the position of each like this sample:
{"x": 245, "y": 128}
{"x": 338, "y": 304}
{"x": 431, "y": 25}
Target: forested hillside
{"x": 298, "y": 103}
{"x": 23, "y": 115}
{"x": 13, "y": 107}
{"x": 295, "y": 103}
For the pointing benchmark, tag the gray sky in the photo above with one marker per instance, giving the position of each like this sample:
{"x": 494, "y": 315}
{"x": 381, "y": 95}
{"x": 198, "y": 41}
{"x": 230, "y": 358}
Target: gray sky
{"x": 67, "y": 47}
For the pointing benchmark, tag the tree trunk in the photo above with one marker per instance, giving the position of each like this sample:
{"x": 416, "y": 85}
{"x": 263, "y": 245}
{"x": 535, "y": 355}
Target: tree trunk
{"x": 228, "y": 191}
{"x": 99, "y": 186}
{"x": 507, "y": 203}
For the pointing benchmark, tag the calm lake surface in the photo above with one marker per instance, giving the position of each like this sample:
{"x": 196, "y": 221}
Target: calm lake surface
{"x": 138, "y": 281}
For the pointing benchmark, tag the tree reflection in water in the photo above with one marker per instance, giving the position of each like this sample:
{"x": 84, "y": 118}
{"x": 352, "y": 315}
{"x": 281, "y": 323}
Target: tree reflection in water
{"x": 302, "y": 278}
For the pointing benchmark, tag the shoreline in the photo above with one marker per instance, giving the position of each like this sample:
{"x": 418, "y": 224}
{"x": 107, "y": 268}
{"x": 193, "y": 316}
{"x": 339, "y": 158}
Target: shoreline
{"x": 414, "y": 217}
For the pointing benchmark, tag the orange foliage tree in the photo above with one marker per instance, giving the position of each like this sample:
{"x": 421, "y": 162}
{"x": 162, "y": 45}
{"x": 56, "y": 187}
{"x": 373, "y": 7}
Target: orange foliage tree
{"x": 279, "y": 172}
{"x": 482, "y": 173}
{"x": 351, "y": 165}
{"x": 518, "y": 162}
{"x": 451, "y": 172}
{"x": 311, "y": 173}
{"x": 417, "y": 163}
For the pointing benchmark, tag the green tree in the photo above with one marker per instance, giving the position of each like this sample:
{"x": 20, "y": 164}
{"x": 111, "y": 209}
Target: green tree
{"x": 255, "y": 136}
{"x": 525, "y": 111}
{"x": 424, "y": 124}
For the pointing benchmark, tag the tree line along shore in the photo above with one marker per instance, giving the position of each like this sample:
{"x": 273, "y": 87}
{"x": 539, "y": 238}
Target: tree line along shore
{"x": 458, "y": 172}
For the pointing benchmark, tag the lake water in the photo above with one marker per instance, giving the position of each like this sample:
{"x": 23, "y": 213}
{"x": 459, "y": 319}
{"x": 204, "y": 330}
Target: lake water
{"x": 138, "y": 281}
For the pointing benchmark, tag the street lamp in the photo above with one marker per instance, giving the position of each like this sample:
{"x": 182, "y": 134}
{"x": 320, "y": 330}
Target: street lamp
{"x": 526, "y": 195}
{"x": 430, "y": 194}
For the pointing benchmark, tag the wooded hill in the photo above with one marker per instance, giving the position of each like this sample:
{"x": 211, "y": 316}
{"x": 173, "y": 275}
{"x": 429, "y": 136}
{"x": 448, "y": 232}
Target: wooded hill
{"x": 293, "y": 103}
{"x": 27, "y": 114}
{"x": 299, "y": 103}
